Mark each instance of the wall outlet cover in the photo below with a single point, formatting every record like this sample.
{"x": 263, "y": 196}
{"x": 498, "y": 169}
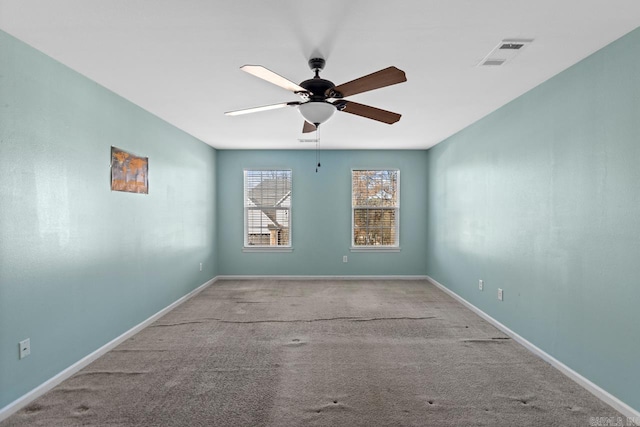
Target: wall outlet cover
{"x": 25, "y": 348}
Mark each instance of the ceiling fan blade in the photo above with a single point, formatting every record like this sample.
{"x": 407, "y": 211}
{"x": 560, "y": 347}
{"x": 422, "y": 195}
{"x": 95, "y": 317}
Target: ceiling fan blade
{"x": 367, "y": 111}
{"x": 262, "y": 108}
{"x": 308, "y": 127}
{"x": 387, "y": 77}
{"x": 271, "y": 77}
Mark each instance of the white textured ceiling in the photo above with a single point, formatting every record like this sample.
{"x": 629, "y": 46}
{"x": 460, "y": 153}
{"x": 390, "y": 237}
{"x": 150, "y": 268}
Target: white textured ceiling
{"x": 180, "y": 59}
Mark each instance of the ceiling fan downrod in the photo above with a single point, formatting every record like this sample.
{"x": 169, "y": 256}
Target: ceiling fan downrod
{"x": 316, "y": 65}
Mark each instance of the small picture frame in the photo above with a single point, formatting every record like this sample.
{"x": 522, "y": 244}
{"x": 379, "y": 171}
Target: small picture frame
{"x": 129, "y": 173}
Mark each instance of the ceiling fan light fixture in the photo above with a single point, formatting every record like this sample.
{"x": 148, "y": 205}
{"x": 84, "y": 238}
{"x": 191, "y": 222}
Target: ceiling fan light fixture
{"x": 317, "y": 112}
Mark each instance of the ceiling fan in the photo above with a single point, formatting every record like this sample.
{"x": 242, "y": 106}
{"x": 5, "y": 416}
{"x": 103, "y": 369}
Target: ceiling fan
{"x": 321, "y": 98}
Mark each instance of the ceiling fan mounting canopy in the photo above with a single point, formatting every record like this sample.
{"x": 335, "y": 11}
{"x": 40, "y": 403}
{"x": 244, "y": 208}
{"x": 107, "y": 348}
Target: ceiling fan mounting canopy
{"x": 317, "y": 93}
{"x": 317, "y": 64}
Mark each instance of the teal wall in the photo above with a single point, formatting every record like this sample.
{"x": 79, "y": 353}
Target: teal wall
{"x": 321, "y": 214}
{"x": 542, "y": 199}
{"x": 79, "y": 264}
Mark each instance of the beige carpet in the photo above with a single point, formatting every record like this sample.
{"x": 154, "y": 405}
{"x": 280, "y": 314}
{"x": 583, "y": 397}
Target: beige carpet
{"x": 317, "y": 353}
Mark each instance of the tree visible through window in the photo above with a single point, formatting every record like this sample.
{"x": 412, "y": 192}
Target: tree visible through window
{"x": 375, "y": 205}
{"x": 267, "y": 206}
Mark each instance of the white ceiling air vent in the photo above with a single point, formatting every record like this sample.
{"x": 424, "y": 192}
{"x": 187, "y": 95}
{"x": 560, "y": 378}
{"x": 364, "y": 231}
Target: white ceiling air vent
{"x": 505, "y": 51}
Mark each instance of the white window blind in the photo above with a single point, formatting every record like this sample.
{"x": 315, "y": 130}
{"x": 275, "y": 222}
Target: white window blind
{"x": 375, "y": 196}
{"x": 267, "y": 208}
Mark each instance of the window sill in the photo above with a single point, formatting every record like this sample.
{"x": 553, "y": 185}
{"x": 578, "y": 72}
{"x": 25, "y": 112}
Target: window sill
{"x": 374, "y": 249}
{"x": 266, "y": 249}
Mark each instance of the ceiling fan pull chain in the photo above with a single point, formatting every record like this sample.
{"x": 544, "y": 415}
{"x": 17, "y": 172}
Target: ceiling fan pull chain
{"x": 317, "y": 148}
{"x": 318, "y": 138}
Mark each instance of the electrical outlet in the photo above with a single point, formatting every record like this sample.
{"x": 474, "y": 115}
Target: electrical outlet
{"x": 499, "y": 294}
{"x": 345, "y": 259}
{"x": 481, "y": 285}
{"x": 25, "y": 348}
{"x": 200, "y": 266}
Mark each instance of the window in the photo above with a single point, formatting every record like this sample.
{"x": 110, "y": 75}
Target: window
{"x": 267, "y": 208}
{"x": 375, "y": 204}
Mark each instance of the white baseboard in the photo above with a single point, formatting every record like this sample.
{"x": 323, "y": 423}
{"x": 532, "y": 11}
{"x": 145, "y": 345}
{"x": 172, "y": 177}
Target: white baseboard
{"x": 257, "y": 277}
{"x": 594, "y": 389}
{"x": 23, "y": 401}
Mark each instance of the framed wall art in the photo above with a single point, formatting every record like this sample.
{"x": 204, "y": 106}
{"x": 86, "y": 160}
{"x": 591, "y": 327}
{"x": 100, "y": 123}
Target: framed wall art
{"x": 129, "y": 172}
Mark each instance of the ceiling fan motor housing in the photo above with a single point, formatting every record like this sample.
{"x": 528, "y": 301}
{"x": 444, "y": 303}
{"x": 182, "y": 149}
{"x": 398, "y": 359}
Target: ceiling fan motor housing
{"x": 317, "y": 87}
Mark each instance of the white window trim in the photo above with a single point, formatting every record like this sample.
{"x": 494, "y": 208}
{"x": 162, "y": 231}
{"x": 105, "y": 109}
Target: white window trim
{"x": 254, "y": 248}
{"x": 267, "y": 249}
{"x": 374, "y": 249}
{"x": 385, "y": 248}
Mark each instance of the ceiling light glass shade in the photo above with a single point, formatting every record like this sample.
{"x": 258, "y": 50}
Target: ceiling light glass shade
{"x": 317, "y": 112}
